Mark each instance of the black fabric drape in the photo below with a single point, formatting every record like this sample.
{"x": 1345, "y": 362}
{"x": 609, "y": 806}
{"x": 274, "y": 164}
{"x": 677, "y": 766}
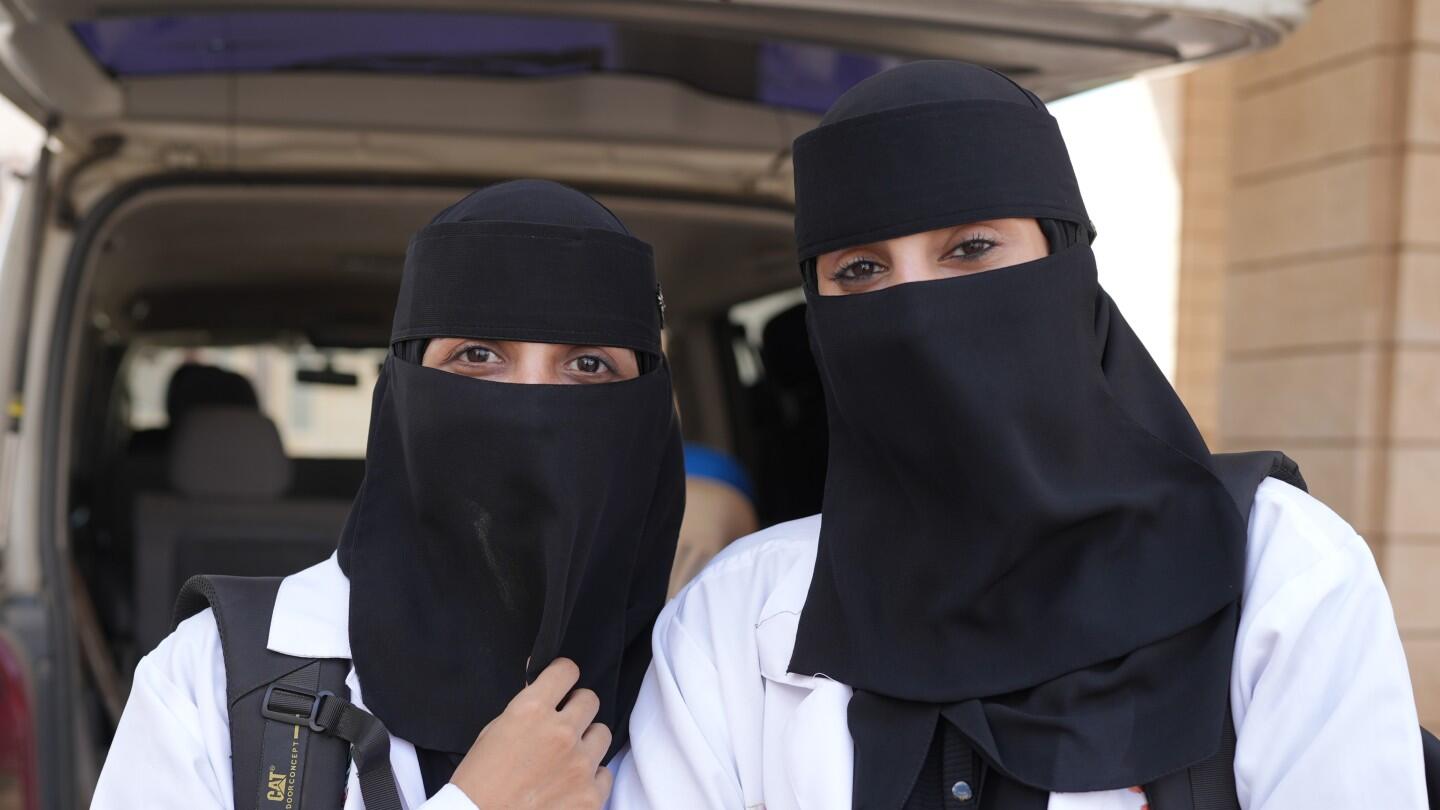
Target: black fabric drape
{"x": 500, "y": 525}
{"x": 1022, "y": 538}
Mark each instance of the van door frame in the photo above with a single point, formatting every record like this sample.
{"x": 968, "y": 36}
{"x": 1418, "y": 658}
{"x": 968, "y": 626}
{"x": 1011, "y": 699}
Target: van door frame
{"x": 21, "y": 256}
{"x": 35, "y": 602}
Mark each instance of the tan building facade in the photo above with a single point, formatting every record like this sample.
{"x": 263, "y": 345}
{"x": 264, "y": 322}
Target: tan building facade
{"x": 1310, "y": 279}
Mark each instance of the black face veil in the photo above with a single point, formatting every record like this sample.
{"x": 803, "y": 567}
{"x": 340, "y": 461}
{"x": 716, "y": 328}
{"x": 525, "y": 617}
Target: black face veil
{"x": 1023, "y": 541}
{"x": 500, "y": 524}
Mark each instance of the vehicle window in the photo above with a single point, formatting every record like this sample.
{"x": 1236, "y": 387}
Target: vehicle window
{"x": 784, "y": 73}
{"x": 320, "y": 401}
{"x": 752, "y": 317}
{"x": 780, "y": 430}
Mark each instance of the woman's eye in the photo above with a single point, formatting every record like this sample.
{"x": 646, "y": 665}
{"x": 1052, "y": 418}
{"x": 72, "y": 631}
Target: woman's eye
{"x": 477, "y": 354}
{"x": 590, "y": 364}
{"x": 857, "y": 270}
{"x": 972, "y": 248}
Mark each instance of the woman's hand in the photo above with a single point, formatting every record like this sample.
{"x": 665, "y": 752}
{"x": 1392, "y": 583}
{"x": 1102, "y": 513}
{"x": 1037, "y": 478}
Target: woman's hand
{"x": 543, "y": 751}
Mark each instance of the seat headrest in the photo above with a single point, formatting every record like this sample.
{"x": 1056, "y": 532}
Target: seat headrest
{"x": 228, "y": 452}
{"x": 195, "y": 385}
{"x": 785, "y": 351}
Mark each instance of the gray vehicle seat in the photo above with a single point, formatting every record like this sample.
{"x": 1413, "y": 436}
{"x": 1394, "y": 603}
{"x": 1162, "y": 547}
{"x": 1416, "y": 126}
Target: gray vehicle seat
{"x": 193, "y": 385}
{"x": 107, "y": 555}
{"x": 226, "y": 514}
{"x": 788, "y": 413}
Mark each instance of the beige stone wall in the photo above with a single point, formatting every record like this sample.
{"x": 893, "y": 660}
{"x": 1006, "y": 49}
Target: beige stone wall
{"x": 1207, "y": 118}
{"x": 1329, "y": 345}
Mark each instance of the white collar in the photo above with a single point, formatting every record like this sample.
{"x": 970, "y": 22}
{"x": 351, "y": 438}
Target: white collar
{"x": 312, "y": 613}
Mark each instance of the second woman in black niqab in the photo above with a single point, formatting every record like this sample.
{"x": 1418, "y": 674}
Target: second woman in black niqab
{"x": 501, "y": 526}
{"x": 1024, "y": 587}
{"x": 1064, "y": 593}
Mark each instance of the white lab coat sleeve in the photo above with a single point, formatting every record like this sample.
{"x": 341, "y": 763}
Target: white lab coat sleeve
{"x": 172, "y": 748}
{"x": 1324, "y": 709}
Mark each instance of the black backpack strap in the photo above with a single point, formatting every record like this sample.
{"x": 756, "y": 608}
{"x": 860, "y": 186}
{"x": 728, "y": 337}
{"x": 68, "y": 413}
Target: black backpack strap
{"x": 296, "y": 703}
{"x": 1207, "y": 785}
{"x": 1243, "y": 473}
{"x": 1432, "y": 767}
{"x": 290, "y": 717}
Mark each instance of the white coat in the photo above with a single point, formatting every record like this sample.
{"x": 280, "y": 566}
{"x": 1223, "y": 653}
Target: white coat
{"x": 1320, "y": 692}
{"x": 172, "y": 748}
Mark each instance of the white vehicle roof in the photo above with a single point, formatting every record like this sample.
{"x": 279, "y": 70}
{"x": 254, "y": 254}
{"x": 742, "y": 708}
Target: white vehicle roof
{"x": 700, "y": 95}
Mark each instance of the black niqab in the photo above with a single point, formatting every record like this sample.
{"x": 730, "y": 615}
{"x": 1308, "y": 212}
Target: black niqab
{"x": 1023, "y": 539}
{"x": 500, "y": 524}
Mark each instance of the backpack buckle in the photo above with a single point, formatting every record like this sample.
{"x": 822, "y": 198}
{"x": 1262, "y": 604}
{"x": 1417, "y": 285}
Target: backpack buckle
{"x": 294, "y": 706}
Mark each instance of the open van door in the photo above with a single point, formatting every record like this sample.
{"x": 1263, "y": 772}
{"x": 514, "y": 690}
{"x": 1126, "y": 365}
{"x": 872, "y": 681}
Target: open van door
{"x": 22, "y": 200}
{"x": 22, "y": 204}
{"x": 14, "y": 267}
{"x": 604, "y": 92}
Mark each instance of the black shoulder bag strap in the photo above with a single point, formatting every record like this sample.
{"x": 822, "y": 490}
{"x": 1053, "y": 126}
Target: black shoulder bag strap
{"x": 1432, "y": 767}
{"x": 292, "y": 728}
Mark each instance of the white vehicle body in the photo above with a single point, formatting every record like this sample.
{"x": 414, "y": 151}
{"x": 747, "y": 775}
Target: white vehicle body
{"x": 218, "y": 177}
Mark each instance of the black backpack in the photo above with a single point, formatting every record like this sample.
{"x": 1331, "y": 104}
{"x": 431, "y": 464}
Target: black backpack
{"x": 291, "y": 722}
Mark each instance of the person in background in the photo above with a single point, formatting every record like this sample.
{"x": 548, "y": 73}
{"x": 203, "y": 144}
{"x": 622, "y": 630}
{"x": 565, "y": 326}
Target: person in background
{"x": 719, "y": 507}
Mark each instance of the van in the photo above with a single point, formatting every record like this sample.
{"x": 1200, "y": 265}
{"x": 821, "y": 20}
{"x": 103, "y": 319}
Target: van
{"x": 219, "y": 215}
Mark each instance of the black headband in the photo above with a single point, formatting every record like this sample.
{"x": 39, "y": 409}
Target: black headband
{"x": 530, "y": 282}
{"x": 927, "y": 166}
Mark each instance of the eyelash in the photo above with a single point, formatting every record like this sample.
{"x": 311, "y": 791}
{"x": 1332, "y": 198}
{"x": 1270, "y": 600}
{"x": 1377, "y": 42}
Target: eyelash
{"x": 990, "y": 244}
{"x": 839, "y": 274}
{"x": 462, "y": 351}
{"x": 842, "y": 272}
{"x": 606, "y": 365}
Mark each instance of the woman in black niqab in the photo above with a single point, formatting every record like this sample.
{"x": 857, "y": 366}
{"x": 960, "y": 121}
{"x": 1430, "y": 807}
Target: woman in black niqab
{"x": 1029, "y": 556}
{"x": 501, "y": 526}
{"x": 1024, "y": 589}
